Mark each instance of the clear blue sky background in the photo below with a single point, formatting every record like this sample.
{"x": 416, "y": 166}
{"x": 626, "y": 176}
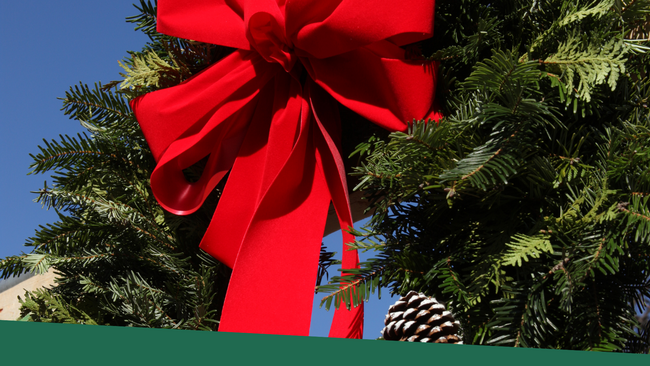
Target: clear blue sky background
{"x": 46, "y": 47}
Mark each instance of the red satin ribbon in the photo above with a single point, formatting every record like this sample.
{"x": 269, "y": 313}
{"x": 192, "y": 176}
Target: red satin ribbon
{"x": 278, "y": 137}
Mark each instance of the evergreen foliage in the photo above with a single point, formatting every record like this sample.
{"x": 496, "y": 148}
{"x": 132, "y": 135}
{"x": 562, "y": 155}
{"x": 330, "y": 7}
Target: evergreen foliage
{"x": 526, "y": 208}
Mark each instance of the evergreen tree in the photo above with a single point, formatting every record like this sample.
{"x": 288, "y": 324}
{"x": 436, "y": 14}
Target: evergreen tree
{"x": 120, "y": 258}
{"x": 526, "y": 208}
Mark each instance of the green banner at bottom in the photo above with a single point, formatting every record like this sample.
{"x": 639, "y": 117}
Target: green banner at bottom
{"x": 71, "y": 344}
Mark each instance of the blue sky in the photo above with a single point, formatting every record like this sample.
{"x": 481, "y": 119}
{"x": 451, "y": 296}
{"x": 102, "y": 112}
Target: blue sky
{"x": 46, "y": 47}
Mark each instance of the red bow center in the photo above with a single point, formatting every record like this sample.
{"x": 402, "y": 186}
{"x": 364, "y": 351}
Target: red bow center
{"x": 266, "y": 35}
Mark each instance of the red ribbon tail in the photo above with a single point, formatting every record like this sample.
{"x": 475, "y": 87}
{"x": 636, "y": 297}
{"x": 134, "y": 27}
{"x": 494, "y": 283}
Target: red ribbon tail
{"x": 272, "y": 215}
{"x": 347, "y": 323}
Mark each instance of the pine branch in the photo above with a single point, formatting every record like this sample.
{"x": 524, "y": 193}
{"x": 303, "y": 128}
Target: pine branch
{"x": 524, "y": 246}
{"x": 592, "y": 67}
{"x": 146, "y": 20}
{"x": 41, "y": 306}
{"x": 354, "y": 287}
{"x": 97, "y": 107}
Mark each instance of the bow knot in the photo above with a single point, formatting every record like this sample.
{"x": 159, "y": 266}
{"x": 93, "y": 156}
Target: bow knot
{"x": 268, "y": 38}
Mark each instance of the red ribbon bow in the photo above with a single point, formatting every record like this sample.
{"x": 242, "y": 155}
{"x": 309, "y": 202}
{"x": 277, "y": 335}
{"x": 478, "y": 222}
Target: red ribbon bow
{"x": 276, "y": 135}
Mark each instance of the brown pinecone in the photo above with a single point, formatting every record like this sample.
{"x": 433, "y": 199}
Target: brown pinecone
{"x": 419, "y": 318}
